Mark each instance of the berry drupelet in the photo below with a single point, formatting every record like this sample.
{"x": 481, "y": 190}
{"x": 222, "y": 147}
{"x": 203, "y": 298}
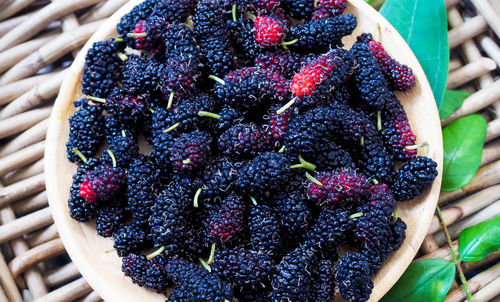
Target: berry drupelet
{"x": 323, "y": 34}
{"x": 142, "y": 183}
{"x": 227, "y": 222}
{"x": 372, "y": 230}
{"x": 268, "y": 171}
{"x": 86, "y": 128}
{"x": 381, "y": 198}
{"x": 243, "y": 140}
{"x": 371, "y": 86}
{"x": 130, "y": 239}
{"x": 338, "y": 187}
{"x": 399, "y": 76}
{"x": 102, "y": 68}
{"x": 190, "y": 151}
{"x": 79, "y": 208}
{"x": 293, "y": 276}
{"x": 318, "y": 78}
{"x": 141, "y": 74}
{"x": 299, "y": 9}
{"x": 269, "y": 30}
{"x": 414, "y": 177}
{"x": 329, "y": 8}
{"x": 281, "y": 62}
{"x": 353, "y": 278}
{"x": 323, "y": 288}
{"x": 264, "y": 228}
{"x": 292, "y": 211}
{"x": 195, "y": 283}
{"x": 330, "y": 229}
{"x": 396, "y": 131}
{"x": 124, "y": 149}
{"x": 333, "y": 157}
{"x": 219, "y": 177}
{"x": 179, "y": 39}
{"x": 248, "y": 87}
{"x": 242, "y": 267}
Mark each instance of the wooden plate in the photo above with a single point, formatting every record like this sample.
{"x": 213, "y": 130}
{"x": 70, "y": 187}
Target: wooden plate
{"x": 103, "y": 271}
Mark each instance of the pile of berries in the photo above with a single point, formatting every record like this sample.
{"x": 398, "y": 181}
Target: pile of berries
{"x": 243, "y": 149}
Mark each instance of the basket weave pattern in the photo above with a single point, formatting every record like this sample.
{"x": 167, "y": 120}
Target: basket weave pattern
{"x": 39, "y": 39}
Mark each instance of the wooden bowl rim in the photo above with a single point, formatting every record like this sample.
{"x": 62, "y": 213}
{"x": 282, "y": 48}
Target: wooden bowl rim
{"x": 384, "y": 280}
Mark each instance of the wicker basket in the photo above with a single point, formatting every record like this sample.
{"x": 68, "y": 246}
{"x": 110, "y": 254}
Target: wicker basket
{"x": 38, "y": 40}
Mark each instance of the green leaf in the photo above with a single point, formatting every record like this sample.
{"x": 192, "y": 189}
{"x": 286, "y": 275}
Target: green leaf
{"x": 423, "y": 24}
{"x": 463, "y": 142}
{"x": 478, "y": 241}
{"x": 452, "y": 100}
{"x": 427, "y": 280}
{"x": 375, "y": 3}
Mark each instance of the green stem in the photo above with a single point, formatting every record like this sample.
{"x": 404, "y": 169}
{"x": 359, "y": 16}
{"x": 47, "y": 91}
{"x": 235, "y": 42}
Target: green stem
{"x": 212, "y": 255}
{"x": 196, "y": 196}
{"x": 217, "y": 79}
{"x": 281, "y": 150}
{"x": 119, "y": 39}
{"x": 395, "y": 215}
{"x": 151, "y": 110}
{"x": 234, "y": 11}
{"x": 251, "y": 16}
{"x": 124, "y": 134}
{"x": 80, "y": 155}
{"x": 122, "y": 56}
{"x": 171, "y": 127}
{"x": 155, "y": 253}
{"x": 362, "y": 141}
{"x": 186, "y": 161}
{"x": 375, "y": 181}
{"x": 113, "y": 158}
{"x": 286, "y": 106}
{"x": 304, "y": 164}
{"x": 110, "y": 251}
{"x": 209, "y": 114}
{"x": 137, "y": 35}
{"x": 379, "y": 120}
{"x": 314, "y": 180}
{"x": 414, "y": 147}
{"x": 98, "y": 100}
{"x": 455, "y": 260}
{"x": 254, "y": 201}
{"x": 355, "y": 215}
{"x": 205, "y": 265}
{"x": 288, "y": 43}
{"x": 170, "y": 100}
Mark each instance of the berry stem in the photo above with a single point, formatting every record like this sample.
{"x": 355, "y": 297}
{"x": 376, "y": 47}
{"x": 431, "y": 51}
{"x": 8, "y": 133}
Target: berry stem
{"x": 355, "y": 215}
{"x": 455, "y": 260}
{"x": 304, "y": 164}
{"x": 281, "y": 150}
{"x": 171, "y": 127}
{"x": 362, "y": 141}
{"x": 110, "y": 251}
{"x": 314, "y": 180}
{"x": 124, "y": 134}
{"x": 205, "y": 265}
{"x": 209, "y": 114}
{"x": 98, "y": 100}
{"x": 286, "y": 106}
{"x": 196, "y": 196}
{"x": 119, "y": 39}
{"x": 287, "y": 43}
{"x": 379, "y": 120}
{"x": 395, "y": 215}
{"x": 151, "y": 110}
{"x": 233, "y": 11}
{"x": 186, "y": 161}
{"x": 113, "y": 159}
{"x": 254, "y": 201}
{"x": 122, "y": 56}
{"x": 212, "y": 254}
{"x": 217, "y": 79}
{"x": 137, "y": 35}
{"x": 80, "y": 155}
{"x": 251, "y": 16}
{"x": 375, "y": 181}
{"x": 170, "y": 100}
{"x": 155, "y": 253}
{"x": 414, "y": 147}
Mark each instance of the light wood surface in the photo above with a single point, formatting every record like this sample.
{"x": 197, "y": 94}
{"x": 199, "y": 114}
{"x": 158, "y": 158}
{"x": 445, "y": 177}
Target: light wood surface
{"x": 103, "y": 270}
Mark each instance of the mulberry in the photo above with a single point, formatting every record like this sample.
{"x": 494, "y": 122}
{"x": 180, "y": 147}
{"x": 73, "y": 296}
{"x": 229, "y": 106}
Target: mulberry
{"x": 142, "y": 183}
{"x": 102, "y": 183}
{"x": 338, "y": 187}
{"x": 323, "y": 34}
{"x": 299, "y": 9}
{"x": 227, "y": 222}
{"x": 381, "y": 198}
{"x": 268, "y": 171}
{"x": 219, "y": 177}
{"x": 248, "y": 87}
{"x": 281, "y": 62}
{"x": 293, "y": 277}
{"x": 124, "y": 149}
{"x": 85, "y": 130}
{"x": 277, "y": 124}
{"x": 147, "y": 273}
{"x": 190, "y": 151}
{"x": 243, "y": 140}
{"x": 353, "y": 278}
{"x": 130, "y": 239}
{"x": 148, "y": 33}
{"x": 399, "y": 76}
{"x": 323, "y": 288}
{"x": 140, "y": 12}
{"x": 333, "y": 158}
{"x": 293, "y": 211}
{"x": 102, "y": 68}
{"x": 140, "y": 74}
{"x": 329, "y": 8}
{"x": 264, "y": 228}
{"x": 269, "y": 30}
{"x": 187, "y": 114}
{"x": 226, "y": 118}
{"x": 126, "y": 105}
{"x": 109, "y": 218}
{"x": 414, "y": 177}
{"x": 79, "y": 208}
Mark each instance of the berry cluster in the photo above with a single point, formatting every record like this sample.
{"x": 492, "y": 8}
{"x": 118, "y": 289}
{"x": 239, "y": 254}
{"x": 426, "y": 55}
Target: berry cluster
{"x": 249, "y": 143}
